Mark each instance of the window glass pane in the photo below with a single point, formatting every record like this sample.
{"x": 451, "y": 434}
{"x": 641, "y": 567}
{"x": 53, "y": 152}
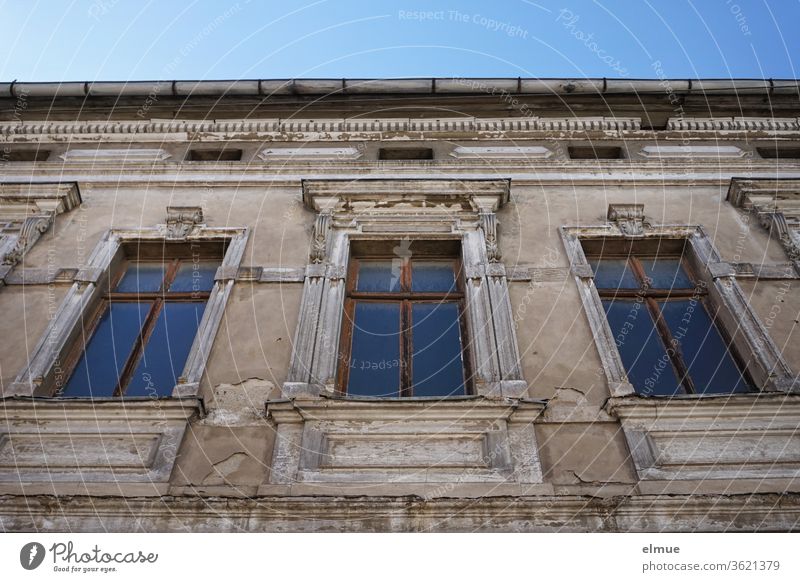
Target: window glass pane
{"x": 141, "y": 277}
{"x": 666, "y": 273}
{"x": 648, "y": 367}
{"x": 613, "y": 274}
{"x": 166, "y": 351}
{"x": 98, "y": 371}
{"x": 710, "y": 363}
{"x": 379, "y": 276}
{"x": 375, "y": 356}
{"x": 432, "y": 276}
{"x": 194, "y": 276}
{"x": 437, "y": 366}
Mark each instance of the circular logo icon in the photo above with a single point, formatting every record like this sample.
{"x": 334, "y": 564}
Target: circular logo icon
{"x": 31, "y": 555}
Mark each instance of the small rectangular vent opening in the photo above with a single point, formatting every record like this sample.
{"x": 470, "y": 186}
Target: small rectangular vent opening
{"x": 779, "y": 152}
{"x": 405, "y": 154}
{"x": 23, "y": 155}
{"x": 595, "y": 152}
{"x": 207, "y": 155}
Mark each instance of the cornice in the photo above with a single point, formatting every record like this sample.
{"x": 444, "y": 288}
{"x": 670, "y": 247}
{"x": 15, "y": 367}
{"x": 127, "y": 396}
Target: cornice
{"x": 290, "y": 125}
{"x": 328, "y": 129}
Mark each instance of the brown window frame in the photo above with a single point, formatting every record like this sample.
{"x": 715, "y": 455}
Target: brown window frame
{"x": 650, "y": 297}
{"x": 157, "y": 299}
{"x": 406, "y": 298}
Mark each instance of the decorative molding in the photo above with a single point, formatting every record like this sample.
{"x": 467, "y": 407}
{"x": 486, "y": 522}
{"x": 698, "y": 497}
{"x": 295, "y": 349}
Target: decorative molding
{"x": 335, "y": 129}
{"x": 502, "y": 152}
{"x": 27, "y": 211}
{"x": 310, "y": 154}
{"x": 281, "y": 127}
{"x": 765, "y": 271}
{"x": 111, "y": 155}
{"x": 319, "y": 236}
{"x": 530, "y": 273}
{"x": 629, "y": 218}
{"x": 414, "y": 441}
{"x": 414, "y": 209}
{"x": 80, "y": 447}
{"x": 733, "y": 124}
{"x": 776, "y": 205}
{"x": 406, "y": 195}
{"x": 441, "y": 508}
{"x": 41, "y": 276}
{"x": 707, "y": 438}
{"x": 489, "y": 226}
{"x": 692, "y": 151}
{"x": 29, "y": 232}
{"x": 182, "y": 220}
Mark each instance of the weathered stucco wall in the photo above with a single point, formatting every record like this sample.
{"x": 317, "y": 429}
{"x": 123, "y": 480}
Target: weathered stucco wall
{"x": 569, "y": 447}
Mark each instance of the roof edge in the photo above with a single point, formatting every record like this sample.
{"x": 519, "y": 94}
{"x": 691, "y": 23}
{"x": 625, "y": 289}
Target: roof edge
{"x": 400, "y": 86}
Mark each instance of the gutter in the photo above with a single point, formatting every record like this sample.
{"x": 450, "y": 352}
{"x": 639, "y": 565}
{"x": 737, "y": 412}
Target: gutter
{"x": 418, "y": 86}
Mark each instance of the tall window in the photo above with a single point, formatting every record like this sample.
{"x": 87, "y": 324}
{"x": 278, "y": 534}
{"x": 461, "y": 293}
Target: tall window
{"x": 138, "y": 340}
{"x": 664, "y": 325}
{"x": 403, "y": 333}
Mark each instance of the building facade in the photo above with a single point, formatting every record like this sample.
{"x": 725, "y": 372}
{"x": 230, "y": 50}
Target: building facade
{"x": 400, "y": 305}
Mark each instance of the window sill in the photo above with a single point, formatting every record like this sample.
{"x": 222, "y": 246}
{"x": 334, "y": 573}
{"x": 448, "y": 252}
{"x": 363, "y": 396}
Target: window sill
{"x": 470, "y": 439}
{"x": 711, "y": 437}
{"x": 81, "y": 446}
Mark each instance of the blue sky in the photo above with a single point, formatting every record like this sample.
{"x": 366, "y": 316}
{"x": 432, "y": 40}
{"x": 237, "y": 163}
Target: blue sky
{"x": 87, "y": 40}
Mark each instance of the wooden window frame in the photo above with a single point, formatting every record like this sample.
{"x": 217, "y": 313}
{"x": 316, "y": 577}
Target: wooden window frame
{"x": 766, "y": 368}
{"x": 651, "y": 295}
{"x": 157, "y": 301}
{"x": 405, "y": 298}
{"x": 48, "y": 360}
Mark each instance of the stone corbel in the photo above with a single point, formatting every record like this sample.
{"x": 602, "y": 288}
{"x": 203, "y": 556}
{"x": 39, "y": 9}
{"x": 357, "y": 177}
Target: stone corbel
{"x": 29, "y": 209}
{"x": 489, "y": 225}
{"x": 320, "y": 236}
{"x": 33, "y": 227}
{"x": 776, "y": 205}
{"x": 629, "y": 218}
{"x": 182, "y": 220}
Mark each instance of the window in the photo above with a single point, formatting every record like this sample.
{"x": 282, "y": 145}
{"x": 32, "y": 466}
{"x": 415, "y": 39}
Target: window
{"x": 137, "y": 341}
{"x": 664, "y": 326}
{"x": 403, "y": 331}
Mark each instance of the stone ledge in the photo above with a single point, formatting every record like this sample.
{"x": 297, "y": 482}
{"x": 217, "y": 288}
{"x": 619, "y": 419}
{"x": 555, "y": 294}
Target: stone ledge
{"x": 356, "y": 441}
{"x": 544, "y": 513}
{"x": 727, "y": 437}
{"x": 76, "y": 446}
